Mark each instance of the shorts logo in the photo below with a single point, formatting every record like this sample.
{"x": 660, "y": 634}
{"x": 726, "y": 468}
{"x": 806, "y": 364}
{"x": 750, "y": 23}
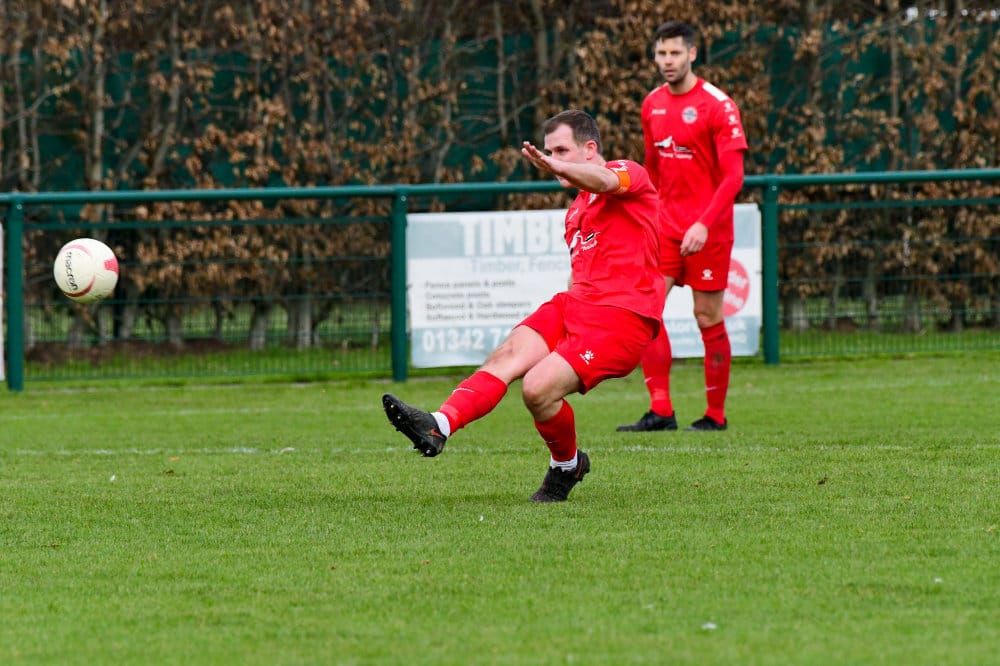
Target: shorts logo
{"x": 706, "y": 274}
{"x": 587, "y": 356}
{"x": 689, "y": 114}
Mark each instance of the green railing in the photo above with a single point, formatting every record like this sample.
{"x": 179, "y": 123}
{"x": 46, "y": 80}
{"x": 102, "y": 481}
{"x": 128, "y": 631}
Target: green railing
{"x": 767, "y": 190}
{"x": 774, "y": 185}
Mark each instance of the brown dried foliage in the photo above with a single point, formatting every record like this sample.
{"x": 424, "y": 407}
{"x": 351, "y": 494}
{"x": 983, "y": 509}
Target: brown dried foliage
{"x": 251, "y": 93}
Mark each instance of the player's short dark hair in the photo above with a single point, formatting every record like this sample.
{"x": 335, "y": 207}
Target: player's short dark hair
{"x": 582, "y": 123}
{"x": 672, "y": 29}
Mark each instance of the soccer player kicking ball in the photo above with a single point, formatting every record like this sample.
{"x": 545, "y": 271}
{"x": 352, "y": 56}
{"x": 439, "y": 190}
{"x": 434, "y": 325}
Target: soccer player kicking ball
{"x": 594, "y": 330}
{"x": 694, "y": 152}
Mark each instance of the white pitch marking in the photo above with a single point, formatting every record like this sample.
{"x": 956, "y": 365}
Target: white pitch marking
{"x": 474, "y": 450}
{"x": 186, "y": 412}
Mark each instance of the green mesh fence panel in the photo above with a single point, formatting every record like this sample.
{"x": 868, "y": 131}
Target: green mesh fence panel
{"x": 299, "y": 296}
{"x": 888, "y": 270}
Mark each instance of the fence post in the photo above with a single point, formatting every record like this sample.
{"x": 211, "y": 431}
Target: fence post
{"x": 769, "y": 272}
{"x": 15, "y": 295}
{"x": 399, "y": 344}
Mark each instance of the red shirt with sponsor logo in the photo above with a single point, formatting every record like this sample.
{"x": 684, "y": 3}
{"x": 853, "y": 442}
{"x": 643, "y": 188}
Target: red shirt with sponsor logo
{"x": 685, "y": 135}
{"x": 614, "y": 244}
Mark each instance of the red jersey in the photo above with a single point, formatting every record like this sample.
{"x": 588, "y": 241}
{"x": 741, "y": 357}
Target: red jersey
{"x": 685, "y": 135}
{"x": 614, "y": 244}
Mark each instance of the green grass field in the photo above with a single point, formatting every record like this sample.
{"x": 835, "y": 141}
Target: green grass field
{"x": 850, "y": 515}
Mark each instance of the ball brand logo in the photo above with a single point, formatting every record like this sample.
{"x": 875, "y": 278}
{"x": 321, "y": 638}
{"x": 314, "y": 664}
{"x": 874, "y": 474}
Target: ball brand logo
{"x": 70, "y": 278}
{"x": 72, "y": 282}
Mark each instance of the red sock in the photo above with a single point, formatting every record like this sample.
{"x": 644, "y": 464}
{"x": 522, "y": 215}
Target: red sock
{"x": 656, "y": 360}
{"x": 559, "y": 433}
{"x": 718, "y": 359}
{"x": 472, "y": 399}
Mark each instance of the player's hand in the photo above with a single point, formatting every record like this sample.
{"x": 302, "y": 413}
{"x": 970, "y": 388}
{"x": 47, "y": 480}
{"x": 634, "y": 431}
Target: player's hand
{"x": 537, "y": 157}
{"x": 694, "y": 239}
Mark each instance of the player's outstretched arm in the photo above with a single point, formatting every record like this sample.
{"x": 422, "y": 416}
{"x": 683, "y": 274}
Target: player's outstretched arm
{"x": 585, "y": 176}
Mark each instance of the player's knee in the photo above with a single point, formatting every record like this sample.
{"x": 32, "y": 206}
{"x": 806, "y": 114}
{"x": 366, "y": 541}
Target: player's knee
{"x": 536, "y": 394}
{"x": 532, "y": 394}
{"x": 500, "y": 358}
{"x": 707, "y": 319}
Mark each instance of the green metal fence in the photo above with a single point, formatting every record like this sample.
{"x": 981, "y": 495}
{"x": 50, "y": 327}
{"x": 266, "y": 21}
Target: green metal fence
{"x": 892, "y": 262}
{"x": 306, "y": 282}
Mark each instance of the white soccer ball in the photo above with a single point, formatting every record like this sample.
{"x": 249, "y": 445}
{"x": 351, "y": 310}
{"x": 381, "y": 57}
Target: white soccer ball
{"x": 86, "y": 270}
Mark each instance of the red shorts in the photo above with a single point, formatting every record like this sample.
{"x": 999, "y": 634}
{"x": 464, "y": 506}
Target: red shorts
{"x": 705, "y": 270}
{"x": 598, "y": 341}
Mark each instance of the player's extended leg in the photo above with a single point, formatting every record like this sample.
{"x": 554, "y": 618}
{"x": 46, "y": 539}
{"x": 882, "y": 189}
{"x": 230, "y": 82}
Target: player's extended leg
{"x": 718, "y": 358}
{"x": 544, "y": 389}
{"x": 657, "y": 360}
{"x": 475, "y": 397}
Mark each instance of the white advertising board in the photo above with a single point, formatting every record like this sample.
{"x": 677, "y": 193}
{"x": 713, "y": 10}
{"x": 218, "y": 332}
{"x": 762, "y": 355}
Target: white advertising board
{"x": 471, "y": 277}
{"x": 743, "y": 304}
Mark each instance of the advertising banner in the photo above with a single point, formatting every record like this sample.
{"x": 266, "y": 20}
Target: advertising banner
{"x": 471, "y": 277}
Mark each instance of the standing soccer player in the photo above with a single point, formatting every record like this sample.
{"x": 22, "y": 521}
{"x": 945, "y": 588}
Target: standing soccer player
{"x": 695, "y": 145}
{"x": 596, "y": 329}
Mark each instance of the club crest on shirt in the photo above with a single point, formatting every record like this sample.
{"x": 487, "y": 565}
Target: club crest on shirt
{"x": 689, "y": 114}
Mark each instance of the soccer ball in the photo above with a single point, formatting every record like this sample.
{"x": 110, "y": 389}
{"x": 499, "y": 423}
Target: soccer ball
{"x": 86, "y": 270}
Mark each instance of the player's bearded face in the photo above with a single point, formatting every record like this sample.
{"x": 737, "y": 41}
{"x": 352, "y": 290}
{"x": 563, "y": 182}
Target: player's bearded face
{"x": 673, "y": 58}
